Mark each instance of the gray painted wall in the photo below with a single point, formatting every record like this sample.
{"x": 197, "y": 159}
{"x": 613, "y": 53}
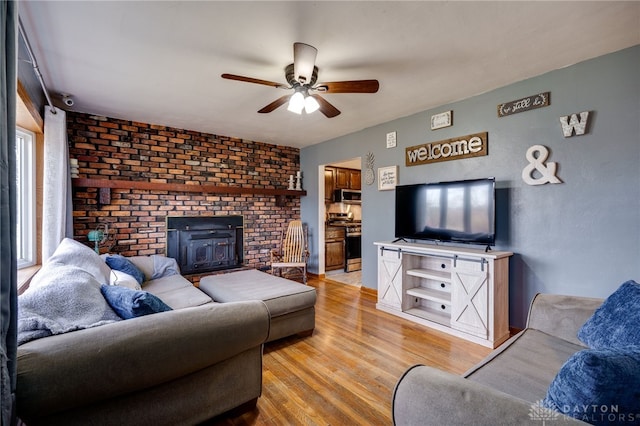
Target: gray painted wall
{"x": 581, "y": 237}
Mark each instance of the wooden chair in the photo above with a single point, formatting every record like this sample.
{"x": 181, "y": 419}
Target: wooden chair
{"x": 293, "y": 252}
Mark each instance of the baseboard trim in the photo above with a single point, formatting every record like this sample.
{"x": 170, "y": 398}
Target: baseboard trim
{"x": 369, "y": 291}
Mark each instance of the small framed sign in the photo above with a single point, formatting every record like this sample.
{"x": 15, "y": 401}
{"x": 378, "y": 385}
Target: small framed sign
{"x": 391, "y": 140}
{"x": 444, "y": 119}
{"x": 525, "y": 104}
{"x": 387, "y": 178}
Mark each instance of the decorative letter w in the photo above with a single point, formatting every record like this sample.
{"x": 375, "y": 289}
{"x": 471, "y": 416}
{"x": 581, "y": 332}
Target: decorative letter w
{"x": 579, "y": 125}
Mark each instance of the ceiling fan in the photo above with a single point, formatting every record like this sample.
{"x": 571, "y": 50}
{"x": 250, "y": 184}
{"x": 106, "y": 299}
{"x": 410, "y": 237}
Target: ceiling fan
{"x": 301, "y": 76}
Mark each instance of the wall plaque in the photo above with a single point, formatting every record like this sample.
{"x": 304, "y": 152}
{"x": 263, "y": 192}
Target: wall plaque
{"x": 444, "y": 119}
{"x": 387, "y": 178}
{"x": 525, "y": 104}
{"x": 475, "y": 145}
{"x": 391, "y": 140}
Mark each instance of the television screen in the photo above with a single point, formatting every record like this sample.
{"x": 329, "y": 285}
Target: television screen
{"x": 460, "y": 211}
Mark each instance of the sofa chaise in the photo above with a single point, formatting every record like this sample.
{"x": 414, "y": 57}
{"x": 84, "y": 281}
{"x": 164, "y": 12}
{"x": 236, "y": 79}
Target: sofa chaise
{"x": 576, "y": 362}
{"x": 177, "y": 367}
{"x": 291, "y": 304}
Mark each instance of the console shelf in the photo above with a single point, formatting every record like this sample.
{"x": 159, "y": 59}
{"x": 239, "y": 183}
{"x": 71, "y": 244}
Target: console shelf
{"x": 461, "y": 291}
{"x": 429, "y": 294}
{"x": 426, "y": 273}
{"x": 430, "y": 315}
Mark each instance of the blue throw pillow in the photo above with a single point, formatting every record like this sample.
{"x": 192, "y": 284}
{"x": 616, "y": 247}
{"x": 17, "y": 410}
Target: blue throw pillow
{"x": 130, "y": 303}
{"x": 598, "y": 386}
{"x": 615, "y": 323}
{"x": 122, "y": 264}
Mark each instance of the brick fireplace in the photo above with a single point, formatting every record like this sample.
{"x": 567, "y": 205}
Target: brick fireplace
{"x": 163, "y": 159}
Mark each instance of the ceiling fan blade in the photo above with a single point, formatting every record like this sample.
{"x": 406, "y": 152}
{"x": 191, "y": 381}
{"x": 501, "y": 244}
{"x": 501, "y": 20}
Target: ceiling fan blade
{"x": 325, "y": 107}
{"x": 354, "y": 86}
{"x": 254, "y": 80}
{"x": 304, "y": 59}
{"x": 275, "y": 104}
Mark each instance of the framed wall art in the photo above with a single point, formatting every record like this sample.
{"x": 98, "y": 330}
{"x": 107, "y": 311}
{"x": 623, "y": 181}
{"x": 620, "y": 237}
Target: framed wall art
{"x": 387, "y": 178}
{"x": 444, "y": 119}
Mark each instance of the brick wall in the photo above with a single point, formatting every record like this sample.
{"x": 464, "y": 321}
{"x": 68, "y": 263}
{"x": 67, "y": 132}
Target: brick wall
{"x": 108, "y": 148}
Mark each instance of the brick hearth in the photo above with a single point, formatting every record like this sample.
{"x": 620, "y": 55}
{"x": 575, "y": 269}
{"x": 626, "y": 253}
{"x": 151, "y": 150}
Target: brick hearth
{"x": 108, "y": 148}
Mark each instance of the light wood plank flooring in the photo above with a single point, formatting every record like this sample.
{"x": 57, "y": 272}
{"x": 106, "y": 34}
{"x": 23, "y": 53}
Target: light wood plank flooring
{"x": 344, "y": 374}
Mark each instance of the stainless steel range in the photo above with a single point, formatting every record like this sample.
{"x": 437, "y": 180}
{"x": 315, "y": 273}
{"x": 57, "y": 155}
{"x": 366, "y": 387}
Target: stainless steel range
{"x": 353, "y": 240}
{"x": 353, "y": 248}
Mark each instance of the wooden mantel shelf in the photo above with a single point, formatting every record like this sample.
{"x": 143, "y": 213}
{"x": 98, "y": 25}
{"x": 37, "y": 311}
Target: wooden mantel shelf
{"x": 105, "y": 186}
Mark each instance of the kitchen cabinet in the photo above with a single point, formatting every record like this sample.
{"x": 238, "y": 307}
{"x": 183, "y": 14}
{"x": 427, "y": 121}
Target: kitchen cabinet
{"x": 329, "y": 183}
{"x": 334, "y": 240}
{"x": 355, "y": 179}
{"x": 347, "y": 179}
{"x": 341, "y": 178}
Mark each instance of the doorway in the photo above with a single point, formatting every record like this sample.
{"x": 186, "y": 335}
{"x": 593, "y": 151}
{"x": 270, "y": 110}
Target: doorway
{"x": 340, "y": 214}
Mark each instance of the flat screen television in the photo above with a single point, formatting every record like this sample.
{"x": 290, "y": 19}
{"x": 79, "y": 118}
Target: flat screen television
{"x": 459, "y": 211}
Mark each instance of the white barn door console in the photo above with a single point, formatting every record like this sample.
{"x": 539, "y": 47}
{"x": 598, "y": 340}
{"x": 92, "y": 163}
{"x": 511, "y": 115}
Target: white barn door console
{"x": 460, "y": 291}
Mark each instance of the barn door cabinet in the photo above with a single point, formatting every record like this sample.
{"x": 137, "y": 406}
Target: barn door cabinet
{"x": 461, "y": 291}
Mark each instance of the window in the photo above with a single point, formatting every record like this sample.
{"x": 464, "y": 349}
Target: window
{"x": 26, "y": 197}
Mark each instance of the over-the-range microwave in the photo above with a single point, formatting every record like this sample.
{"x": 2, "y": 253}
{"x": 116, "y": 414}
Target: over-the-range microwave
{"x": 348, "y": 196}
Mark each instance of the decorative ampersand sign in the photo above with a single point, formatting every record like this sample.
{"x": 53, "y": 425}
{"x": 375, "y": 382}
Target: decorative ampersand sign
{"x": 536, "y": 163}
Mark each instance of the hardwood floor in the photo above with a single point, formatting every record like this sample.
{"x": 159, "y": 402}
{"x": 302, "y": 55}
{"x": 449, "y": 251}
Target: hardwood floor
{"x": 346, "y": 371}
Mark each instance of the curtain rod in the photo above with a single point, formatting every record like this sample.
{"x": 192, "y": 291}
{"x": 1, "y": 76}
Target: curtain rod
{"x": 34, "y": 64}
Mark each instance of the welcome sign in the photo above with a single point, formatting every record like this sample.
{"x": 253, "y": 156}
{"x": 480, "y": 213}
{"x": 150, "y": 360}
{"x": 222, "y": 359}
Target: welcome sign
{"x": 475, "y": 145}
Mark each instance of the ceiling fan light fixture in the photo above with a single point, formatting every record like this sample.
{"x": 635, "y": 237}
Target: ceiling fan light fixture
{"x": 296, "y": 103}
{"x": 304, "y": 61}
{"x": 310, "y": 105}
{"x": 301, "y": 76}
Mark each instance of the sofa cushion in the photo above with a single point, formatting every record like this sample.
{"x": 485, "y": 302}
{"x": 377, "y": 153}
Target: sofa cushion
{"x": 121, "y": 263}
{"x": 130, "y": 303}
{"x": 155, "y": 266}
{"x": 524, "y": 365}
{"x": 599, "y": 386}
{"x": 144, "y": 263}
{"x": 561, "y": 315}
{"x": 615, "y": 323}
{"x": 177, "y": 292}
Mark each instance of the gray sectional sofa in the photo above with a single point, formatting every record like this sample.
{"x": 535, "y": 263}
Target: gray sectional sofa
{"x": 507, "y": 386}
{"x": 183, "y": 366}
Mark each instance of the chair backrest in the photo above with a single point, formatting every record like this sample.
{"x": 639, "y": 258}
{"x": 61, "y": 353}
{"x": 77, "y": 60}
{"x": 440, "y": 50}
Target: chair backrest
{"x": 294, "y": 242}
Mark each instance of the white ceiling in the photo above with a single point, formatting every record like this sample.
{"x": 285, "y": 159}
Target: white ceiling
{"x": 160, "y": 62}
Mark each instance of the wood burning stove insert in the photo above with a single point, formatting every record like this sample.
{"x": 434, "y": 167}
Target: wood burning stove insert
{"x": 205, "y": 243}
